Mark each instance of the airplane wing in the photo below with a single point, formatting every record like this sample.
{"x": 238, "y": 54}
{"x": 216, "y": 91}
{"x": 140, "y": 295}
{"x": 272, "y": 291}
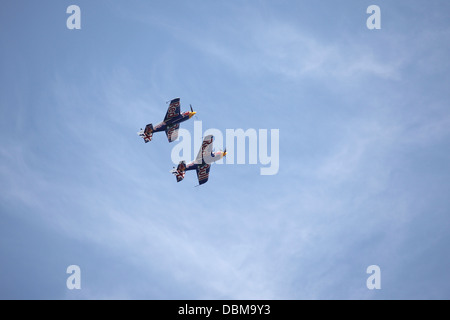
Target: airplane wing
{"x": 205, "y": 150}
{"x": 174, "y": 109}
{"x": 172, "y": 132}
{"x": 203, "y": 173}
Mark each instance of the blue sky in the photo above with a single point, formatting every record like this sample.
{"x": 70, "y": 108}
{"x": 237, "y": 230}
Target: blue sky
{"x": 364, "y": 169}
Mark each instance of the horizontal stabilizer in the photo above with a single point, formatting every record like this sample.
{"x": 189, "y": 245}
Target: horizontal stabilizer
{"x": 147, "y": 133}
{"x": 180, "y": 171}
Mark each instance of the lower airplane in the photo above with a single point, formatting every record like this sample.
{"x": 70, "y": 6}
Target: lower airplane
{"x": 202, "y": 163}
{"x": 171, "y": 122}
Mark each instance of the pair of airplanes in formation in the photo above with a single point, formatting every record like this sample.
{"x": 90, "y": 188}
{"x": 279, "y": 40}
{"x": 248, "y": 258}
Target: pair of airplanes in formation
{"x": 171, "y": 124}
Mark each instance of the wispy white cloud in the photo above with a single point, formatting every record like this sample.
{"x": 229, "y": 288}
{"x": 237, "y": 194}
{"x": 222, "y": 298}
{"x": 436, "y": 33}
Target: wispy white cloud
{"x": 254, "y": 46}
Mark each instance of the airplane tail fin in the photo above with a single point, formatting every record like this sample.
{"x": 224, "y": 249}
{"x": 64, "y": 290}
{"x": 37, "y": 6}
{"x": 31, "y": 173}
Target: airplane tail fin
{"x": 147, "y": 133}
{"x": 180, "y": 171}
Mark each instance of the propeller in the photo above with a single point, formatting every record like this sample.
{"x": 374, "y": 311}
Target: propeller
{"x": 192, "y": 110}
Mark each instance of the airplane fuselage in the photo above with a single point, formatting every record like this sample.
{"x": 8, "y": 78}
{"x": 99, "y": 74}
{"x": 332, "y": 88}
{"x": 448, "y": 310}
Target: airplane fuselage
{"x": 215, "y": 156}
{"x": 162, "y": 126}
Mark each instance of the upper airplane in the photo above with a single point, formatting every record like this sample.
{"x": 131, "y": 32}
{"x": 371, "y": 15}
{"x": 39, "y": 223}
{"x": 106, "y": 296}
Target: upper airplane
{"x": 171, "y": 122}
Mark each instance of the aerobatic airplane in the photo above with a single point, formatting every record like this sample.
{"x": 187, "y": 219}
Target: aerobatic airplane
{"x": 202, "y": 163}
{"x": 171, "y": 122}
